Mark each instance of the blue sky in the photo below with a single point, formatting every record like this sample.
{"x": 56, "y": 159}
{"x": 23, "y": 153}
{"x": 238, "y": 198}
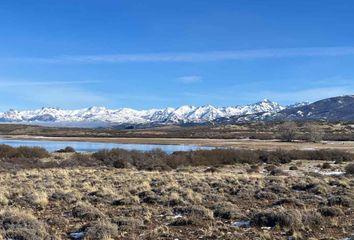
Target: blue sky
{"x": 158, "y": 53}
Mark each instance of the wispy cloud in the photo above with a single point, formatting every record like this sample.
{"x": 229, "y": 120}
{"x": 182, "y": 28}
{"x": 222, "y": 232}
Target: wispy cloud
{"x": 7, "y": 83}
{"x": 190, "y": 79}
{"x": 191, "y": 56}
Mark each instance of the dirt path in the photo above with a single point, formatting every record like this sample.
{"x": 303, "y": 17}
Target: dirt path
{"x": 237, "y": 143}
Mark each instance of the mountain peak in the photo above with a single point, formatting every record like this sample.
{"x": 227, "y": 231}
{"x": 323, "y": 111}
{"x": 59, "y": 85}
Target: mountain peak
{"x": 121, "y": 116}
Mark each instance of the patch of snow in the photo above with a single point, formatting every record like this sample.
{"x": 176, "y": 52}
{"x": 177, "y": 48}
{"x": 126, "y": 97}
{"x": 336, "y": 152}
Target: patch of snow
{"x": 243, "y": 224}
{"x": 332, "y": 173}
{"x": 301, "y": 113}
{"x": 309, "y": 149}
{"x": 177, "y": 216}
{"x": 77, "y": 235}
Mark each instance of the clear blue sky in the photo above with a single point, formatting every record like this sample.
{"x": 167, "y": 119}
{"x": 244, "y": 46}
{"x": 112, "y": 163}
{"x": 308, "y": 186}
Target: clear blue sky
{"x": 158, "y": 53}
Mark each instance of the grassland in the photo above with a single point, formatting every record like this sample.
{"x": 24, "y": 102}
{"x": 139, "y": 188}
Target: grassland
{"x": 117, "y": 195}
{"x": 233, "y": 202}
{"x": 263, "y": 131}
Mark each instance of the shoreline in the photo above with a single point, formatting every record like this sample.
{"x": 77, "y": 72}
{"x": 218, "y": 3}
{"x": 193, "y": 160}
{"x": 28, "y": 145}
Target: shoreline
{"x": 251, "y": 144}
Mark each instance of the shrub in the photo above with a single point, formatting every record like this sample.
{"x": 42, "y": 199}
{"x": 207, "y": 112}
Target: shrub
{"x": 182, "y": 221}
{"x": 349, "y": 169}
{"x": 289, "y": 201}
{"x": 287, "y": 131}
{"x": 87, "y": 212}
{"x": 80, "y": 159}
{"x": 67, "y": 149}
{"x": 330, "y": 211}
{"x": 315, "y": 133}
{"x": 38, "y": 199}
{"x": 312, "y": 219}
{"x": 16, "y": 224}
{"x": 127, "y": 222}
{"x": 293, "y": 168}
{"x": 277, "y": 172}
{"x": 8, "y": 152}
{"x": 101, "y": 230}
{"x": 304, "y": 186}
{"x": 275, "y": 218}
{"x": 159, "y": 160}
{"x": 196, "y": 211}
{"x": 266, "y": 195}
{"x": 340, "y": 200}
{"x": 31, "y": 153}
{"x": 326, "y": 165}
{"x": 226, "y": 210}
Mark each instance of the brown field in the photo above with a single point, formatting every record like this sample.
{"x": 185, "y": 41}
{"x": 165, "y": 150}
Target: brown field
{"x": 233, "y": 202}
{"x": 264, "y": 131}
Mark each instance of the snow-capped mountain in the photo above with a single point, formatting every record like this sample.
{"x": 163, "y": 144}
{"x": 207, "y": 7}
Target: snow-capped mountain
{"x": 104, "y": 116}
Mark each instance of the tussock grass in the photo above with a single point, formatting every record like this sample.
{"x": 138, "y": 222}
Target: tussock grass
{"x": 100, "y": 201}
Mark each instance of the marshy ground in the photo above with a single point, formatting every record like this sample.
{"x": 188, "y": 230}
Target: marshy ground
{"x": 300, "y": 199}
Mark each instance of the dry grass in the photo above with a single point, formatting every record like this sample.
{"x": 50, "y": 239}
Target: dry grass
{"x": 231, "y": 203}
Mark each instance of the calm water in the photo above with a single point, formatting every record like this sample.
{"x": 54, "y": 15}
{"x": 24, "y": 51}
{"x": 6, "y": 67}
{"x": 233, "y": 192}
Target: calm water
{"x": 94, "y": 146}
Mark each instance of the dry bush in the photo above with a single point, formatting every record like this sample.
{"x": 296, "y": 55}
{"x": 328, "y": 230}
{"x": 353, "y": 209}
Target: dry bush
{"x": 87, "y": 212}
{"x": 126, "y": 223}
{"x": 330, "y": 211}
{"x": 79, "y": 160}
{"x": 226, "y": 210}
{"x": 196, "y": 211}
{"x": 289, "y": 202}
{"x": 287, "y": 131}
{"x": 161, "y": 161}
{"x": 293, "y": 168}
{"x": 16, "y": 224}
{"x": 349, "y": 169}
{"x": 8, "y": 152}
{"x": 38, "y": 199}
{"x": 278, "y": 172}
{"x": 185, "y": 221}
{"x": 120, "y": 158}
{"x": 312, "y": 219}
{"x": 315, "y": 133}
{"x": 304, "y": 186}
{"x": 281, "y": 218}
{"x": 101, "y": 230}
{"x": 67, "y": 149}
{"x": 344, "y": 201}
{"x": 326, "y": 165}
{"x": 67, "y": 197}
{"x": 267, "y": 195}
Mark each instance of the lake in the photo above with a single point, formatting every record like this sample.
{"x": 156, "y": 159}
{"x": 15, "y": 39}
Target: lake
{"x": 52, "y": 146}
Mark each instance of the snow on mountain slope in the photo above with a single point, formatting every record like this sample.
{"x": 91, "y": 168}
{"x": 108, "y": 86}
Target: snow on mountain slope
{"x": 95, "y": 115}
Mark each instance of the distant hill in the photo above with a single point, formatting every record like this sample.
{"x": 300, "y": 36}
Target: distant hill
{"x": 330, "y": 109}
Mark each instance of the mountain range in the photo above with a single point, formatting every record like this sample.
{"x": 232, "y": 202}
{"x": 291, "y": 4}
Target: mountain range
{"x": 331, "y": 109}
